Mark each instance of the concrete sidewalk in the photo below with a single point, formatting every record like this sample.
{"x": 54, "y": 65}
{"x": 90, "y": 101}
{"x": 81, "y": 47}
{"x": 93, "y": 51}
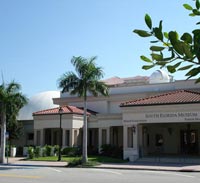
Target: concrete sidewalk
{"x": 23, "y": 162}
{"x": 179, "y": 167}
{"x": 153, "y": 167}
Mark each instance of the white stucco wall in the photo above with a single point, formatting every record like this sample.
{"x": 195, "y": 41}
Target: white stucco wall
{"x": 159, "y": 119}
{"x": 53, "y": 121}
{"x": 161, "y": 114}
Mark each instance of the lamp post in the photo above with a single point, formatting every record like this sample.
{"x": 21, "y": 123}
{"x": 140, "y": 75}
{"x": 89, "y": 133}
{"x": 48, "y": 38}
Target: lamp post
{"x": 60, "y": 133}
{"x": 3, "y": 133}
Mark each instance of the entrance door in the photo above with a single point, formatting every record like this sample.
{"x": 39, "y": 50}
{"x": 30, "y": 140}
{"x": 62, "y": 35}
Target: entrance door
{"x": 189, "y": 142}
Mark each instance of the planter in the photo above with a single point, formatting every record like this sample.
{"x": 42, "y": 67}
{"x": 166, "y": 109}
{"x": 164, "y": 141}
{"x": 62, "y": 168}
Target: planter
{"x": 13, "y": 151}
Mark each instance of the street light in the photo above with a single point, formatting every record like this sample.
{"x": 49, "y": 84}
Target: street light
{"x": 60, "y": 111}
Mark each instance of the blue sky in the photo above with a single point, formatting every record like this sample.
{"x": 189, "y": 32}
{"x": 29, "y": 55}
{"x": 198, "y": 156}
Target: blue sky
{"x": 38, "y": 38}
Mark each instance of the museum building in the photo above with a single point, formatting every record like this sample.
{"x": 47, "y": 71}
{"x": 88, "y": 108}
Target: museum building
{"x": 143, "y": 115}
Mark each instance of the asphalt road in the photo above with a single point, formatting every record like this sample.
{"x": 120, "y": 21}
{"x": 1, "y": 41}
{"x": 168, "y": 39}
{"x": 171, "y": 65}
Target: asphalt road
{"x": 81, "y": 175}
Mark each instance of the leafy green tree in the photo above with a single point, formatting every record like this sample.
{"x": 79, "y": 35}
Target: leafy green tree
{"x": 11, "y": 100}
{"x": 176, "y": 53}
{"x": 85, "y": 81}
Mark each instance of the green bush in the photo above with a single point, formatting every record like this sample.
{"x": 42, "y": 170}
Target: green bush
{"x": 56, "y": 149}
{"x": 92, "y": 150}
{"x": 48, "y": 150}
{"x": 71, "y": 151}
{"x": 111, "y": 151}
{"x": 31, "y": 153}
{"x": 37, "y": 151}
{"x": 44, "y": 151}
{"x": 74, "y": 163}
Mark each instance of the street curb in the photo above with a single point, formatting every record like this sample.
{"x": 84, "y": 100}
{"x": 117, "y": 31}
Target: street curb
{"x": 31, "y": 165}
{"x": 148, "y": 169}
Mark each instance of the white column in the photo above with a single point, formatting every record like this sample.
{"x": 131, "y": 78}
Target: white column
{"x": 63, "y": 137}
{"x": 35, "y": 137}
{"x": 70, "y": 137}
{"x": 125, "y": 137}
{"x": 132, "y": 153}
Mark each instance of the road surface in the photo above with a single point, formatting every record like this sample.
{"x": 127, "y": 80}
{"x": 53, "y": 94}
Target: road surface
{"x": 88, "y": 175}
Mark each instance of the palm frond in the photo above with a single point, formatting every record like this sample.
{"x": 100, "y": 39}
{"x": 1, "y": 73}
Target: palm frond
{"x": 87, "y": 78}
{"x": 97, "y": 88}
{"x": 13, "y": 87}
{"x": 68, "y": 81}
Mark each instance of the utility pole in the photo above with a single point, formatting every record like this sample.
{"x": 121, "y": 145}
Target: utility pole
{"x": 60, "y": 133}
{"x": 3, "y": 133}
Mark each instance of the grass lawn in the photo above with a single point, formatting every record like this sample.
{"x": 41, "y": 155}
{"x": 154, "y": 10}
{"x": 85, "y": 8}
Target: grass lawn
{"x": 105, "y": 159}
{"x": 94, "y": 159}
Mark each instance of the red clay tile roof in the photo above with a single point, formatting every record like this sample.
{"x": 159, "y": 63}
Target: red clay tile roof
{"x": 174, "y": 97}
{"x": 66, "y": 110}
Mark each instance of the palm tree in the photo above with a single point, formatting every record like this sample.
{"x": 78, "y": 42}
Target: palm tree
{"x": 11, "y": 100}
{"x": 85, "y": 81}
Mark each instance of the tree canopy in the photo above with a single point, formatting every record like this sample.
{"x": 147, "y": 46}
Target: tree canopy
{"x": 171, "y": 50}
{"x": 87, "y": 78}
{"x": 85, "y": 81}
{"x": 13, "y": 101}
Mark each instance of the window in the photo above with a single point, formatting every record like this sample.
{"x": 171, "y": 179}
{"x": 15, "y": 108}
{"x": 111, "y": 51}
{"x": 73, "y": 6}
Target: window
{"x": 67, "y": 137}
{"x": 130, "y": 137}
{"x": 104, "y": 136}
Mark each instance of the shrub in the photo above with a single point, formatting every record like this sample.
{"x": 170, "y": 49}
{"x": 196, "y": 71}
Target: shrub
{"x": 92, "y": 150}
{"x": 71, "y": 151}
{"x": 37, "y": 151}
{"x": 111, "y": 151}
{"x": 74, "y": 163}
{"x": 48, "y": 150}
{"x": 56, "y": 149}
{"x": 44, "y": 151}
{"x": 31, "y": 153}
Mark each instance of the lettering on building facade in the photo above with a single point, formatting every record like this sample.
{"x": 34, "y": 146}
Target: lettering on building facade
{"x": 162, "y": 117}
{"x": 172, "y": 115}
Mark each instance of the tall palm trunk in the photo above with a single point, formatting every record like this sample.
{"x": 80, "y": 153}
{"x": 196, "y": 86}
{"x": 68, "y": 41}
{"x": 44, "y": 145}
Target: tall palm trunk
{"x": 84, "y": 150}
{"x": 3, "y": 136}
